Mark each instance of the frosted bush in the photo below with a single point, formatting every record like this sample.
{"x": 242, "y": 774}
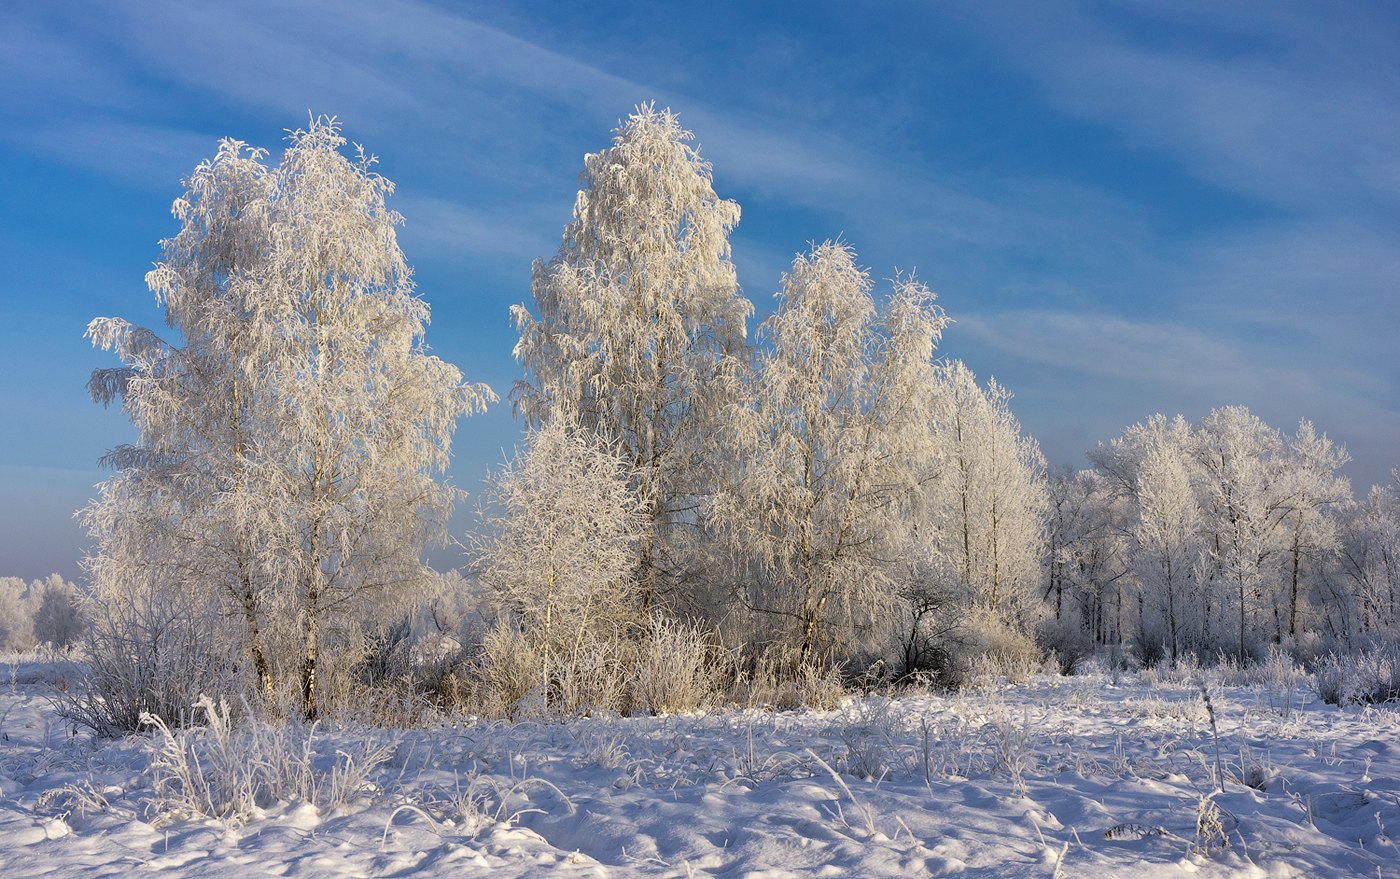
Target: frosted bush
{"x": 518, "y": 679}
{"x": 674, "y": 669}
{"x": 511, "y": 675}
{"x": 775, "y": 677}
{"x": 1187, "y": 670}
{"x": 594, "y": 680}
{"x": 147, "y": 654}
{"x": 1277, "y": 681}
{"x": 1008, "y": 740}
{"x": 1067, "y": 643}
{"x": 984, "y": 653}
{"x": 813, "y": 686}
{"x": 1370, "y": 676}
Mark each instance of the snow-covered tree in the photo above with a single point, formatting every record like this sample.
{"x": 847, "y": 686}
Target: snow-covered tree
{"x": 1315, "y": 493}
{"x": 639, "y": 327}
{"x": 40, "y": 611}
{"x": 180, "y": 509}
{"x": 16, "y": 617}
{"x": 292, "y": 434}
{"x": 58, "y": 621}
{"x": 1364, "y": 596}
{"x": 836, "y": 447}
{"x": 1152, "y": 471}
{"x": 1231, "y": 529}
{"x": 1093, "y": 554}
{"x": 1245, "y": 503}
{"x": 559, "y": 551}
{"x": 1165, "y": 540}
{"x": 989, "y": 505}
{"x": 367, "y": 415}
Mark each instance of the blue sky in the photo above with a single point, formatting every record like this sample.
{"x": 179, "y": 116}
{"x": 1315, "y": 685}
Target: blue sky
{"x": 1124, "y": 211}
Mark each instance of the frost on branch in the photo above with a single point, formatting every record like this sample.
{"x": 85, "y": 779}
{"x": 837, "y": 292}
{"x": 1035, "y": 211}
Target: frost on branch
{"x": 559, "y": 556}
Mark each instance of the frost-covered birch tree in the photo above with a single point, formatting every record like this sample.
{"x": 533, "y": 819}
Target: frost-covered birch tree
{"x": 1245, "y": 507}
{"x": 1365, "y": 597}
{"x": 1232, "y": 526}
{"x": 559, "y": 551}
{"x": 836, "y": 447}
{"x": 638, "y": 329}
{"x": 1315, "y": 493}
{"x": 293, "y": 431}
{"x": 1093, "y": 554}
{"x": 1165, "y": 540}
{"x": 1153, "y": 472}
{"x": 990, "y": 503}
{"x": 182, "y": 507}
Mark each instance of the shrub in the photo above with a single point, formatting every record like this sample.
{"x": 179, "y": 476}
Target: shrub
{"x": 147, "y": 654}
{"x": 1066, "y": 642}
{"x": 775, "y": 677}
{"x": 983, "y": 650}
{"x": 1368, "y": 677}
{"x": 1277, "y": 680}
{"x": 510, "y": 672}
{"x": 675, "y": 668}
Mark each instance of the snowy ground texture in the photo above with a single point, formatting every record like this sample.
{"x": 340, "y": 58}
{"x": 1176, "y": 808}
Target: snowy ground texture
{"x": 1070, "y": 777}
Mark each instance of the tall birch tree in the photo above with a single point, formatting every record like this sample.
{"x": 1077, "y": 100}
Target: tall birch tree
{"x": 990, "y": 504}
{"x": 1315, "y": 495}
{"x": 1165, "y": 540}
{"x": 639, "y": 327}
{"x": 837, "y": 446}
{"x": 293, "y": 434}
{"x": 182, "y": 507}
{"x": 1245, "y": 504}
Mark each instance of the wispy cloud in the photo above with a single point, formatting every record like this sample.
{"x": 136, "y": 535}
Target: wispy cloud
{"x": 1087, "y": 375}
{"x": 127, "y": 152}
{"x": 1058, "y": 273}
{"x": 440, "y": 226}
{"x": 1293, "y": 105}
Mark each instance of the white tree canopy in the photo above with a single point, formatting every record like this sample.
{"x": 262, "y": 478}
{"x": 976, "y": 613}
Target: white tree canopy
{"x": 989, "y": 504}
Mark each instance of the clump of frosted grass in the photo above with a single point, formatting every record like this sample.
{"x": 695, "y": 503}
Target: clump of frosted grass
{"x": 675, "y": 670}
{"x": 1367, "y": 677}
{"x": 230, "y": 772}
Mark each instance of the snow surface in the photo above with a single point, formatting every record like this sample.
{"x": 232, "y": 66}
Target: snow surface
{"x": 1074, "y": 777}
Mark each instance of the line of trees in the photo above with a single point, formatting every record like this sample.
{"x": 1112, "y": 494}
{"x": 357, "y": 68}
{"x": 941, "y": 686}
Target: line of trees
{"x": 832, "y": 490}
{"x": 1223, "y": 537}
{"x": 798, "y": 494}
{"x": 43, "y": 611}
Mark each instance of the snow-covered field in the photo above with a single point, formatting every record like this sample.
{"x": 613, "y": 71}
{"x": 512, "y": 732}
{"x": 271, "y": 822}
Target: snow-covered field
{"x": 1074, "y": 777}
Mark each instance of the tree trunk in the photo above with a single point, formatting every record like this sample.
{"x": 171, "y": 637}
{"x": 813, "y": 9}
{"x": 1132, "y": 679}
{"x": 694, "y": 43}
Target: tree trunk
{"x": 308, "y": 668}
{"x": 1293, "y": 592}
{"x": 255, "y": 646}
{"x": 1171, "y": 610}
{"x": 1240, "y": 578}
